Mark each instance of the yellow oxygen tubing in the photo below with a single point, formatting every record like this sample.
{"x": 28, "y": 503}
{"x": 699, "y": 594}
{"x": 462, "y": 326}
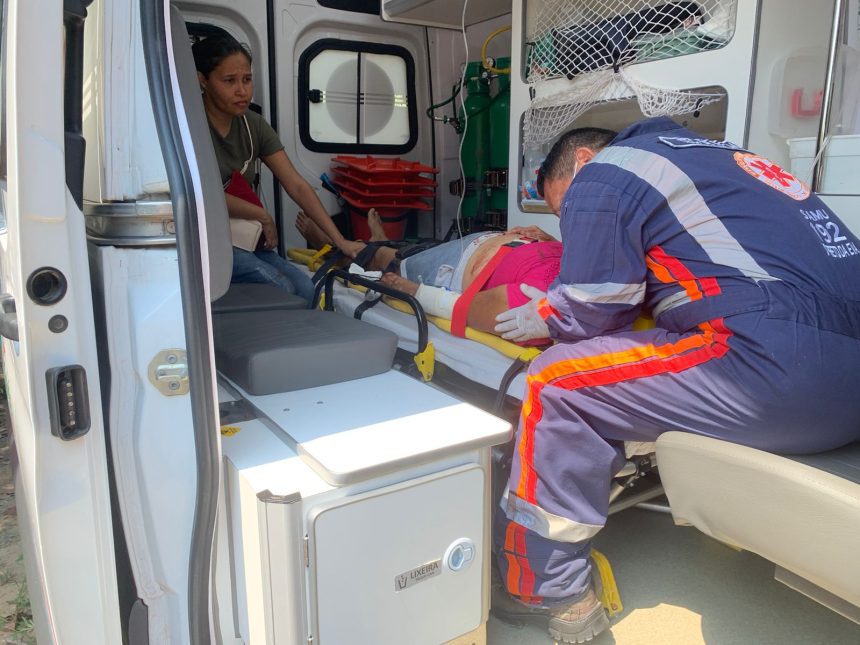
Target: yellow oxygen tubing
{"x": 487, "y": 66}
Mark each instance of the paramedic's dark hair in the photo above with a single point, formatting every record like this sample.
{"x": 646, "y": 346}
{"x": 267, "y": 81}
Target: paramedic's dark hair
{"x": 561, "y": 160}
{"x": 209, "y": 52}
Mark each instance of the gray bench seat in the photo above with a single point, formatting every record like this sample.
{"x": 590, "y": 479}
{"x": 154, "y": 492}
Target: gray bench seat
{"x": 266, "y": 352}
{"x": 256, "y": 297}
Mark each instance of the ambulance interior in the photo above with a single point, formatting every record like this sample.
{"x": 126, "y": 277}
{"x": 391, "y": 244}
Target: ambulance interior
{"x": 347, "y": 470}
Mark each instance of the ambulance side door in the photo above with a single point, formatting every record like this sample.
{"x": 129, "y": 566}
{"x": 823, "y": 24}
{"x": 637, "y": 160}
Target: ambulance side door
{"x": 48, "y": 329}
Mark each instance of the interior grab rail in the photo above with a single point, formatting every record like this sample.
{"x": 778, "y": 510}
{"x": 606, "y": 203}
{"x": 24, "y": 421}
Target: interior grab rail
{"x": 827, "y": 97}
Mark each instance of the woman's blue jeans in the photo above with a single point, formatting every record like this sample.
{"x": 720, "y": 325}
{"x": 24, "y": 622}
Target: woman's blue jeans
{"x": 267, "y": 267}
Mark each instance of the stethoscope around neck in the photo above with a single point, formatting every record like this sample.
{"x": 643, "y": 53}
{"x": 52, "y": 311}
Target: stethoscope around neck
{"x": 251, "y": 141}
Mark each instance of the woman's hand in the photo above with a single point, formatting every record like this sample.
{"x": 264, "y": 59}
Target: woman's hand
{"x": 270, "y": 233}
{"x": 533, "y": 232}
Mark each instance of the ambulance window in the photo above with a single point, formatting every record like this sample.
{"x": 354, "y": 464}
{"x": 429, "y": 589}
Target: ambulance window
{"x": 357, "y": 97}
{"x": 359, "y": 6}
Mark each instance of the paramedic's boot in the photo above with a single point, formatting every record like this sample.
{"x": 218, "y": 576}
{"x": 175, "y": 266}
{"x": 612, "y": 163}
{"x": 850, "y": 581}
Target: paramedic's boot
{"x": 578, "y": 622}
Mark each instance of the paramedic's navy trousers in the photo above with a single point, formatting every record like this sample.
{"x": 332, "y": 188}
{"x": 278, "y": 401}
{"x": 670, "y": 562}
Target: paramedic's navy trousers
{"x": 769, "y": 383}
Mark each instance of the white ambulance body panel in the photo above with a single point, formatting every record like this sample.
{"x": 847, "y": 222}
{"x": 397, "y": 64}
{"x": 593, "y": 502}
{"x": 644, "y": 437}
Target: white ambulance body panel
{"x": 152, "y": 450}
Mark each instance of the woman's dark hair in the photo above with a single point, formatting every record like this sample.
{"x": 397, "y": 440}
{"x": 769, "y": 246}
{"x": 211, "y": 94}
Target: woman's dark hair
{"x": 561, "y": 160}
{"x": 209, "y": 53}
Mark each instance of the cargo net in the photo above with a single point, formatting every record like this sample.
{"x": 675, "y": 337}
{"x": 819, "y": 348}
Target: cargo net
{"x": 592, "y": 41}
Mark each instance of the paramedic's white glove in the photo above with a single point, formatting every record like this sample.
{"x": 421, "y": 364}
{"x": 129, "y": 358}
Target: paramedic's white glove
{"x": 524, "y": 322}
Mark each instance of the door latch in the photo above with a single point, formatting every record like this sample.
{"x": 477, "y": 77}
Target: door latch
{"x": 168, "y": 372}
{"x": 8, "y": 317}
{"x": 68, "y": 401}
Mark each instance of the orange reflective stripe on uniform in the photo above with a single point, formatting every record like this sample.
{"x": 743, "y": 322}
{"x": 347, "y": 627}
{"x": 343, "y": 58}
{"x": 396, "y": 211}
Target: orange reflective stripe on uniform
{"x": 521, "y": 579}
{"x": 604, "y": 369}
{"x": 545, "y": 310}
{"x": 669, "y": 269}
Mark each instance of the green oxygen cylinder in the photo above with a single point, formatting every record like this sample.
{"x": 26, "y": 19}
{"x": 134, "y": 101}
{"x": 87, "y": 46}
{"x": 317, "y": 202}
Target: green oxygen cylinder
{"x": 500, "y": 118}
{"x": 475, "y": 143}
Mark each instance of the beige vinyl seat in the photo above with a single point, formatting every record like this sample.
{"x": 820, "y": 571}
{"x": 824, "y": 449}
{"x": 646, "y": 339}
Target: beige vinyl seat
{"x": 800, "y": 512}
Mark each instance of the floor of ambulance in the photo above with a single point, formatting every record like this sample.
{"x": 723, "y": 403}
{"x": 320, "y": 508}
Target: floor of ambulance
{"x": 680, "y": 587}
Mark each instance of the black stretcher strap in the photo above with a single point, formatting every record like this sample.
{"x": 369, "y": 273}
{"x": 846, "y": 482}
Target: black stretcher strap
{"x": 364, "y": 306}
{"x": 384, "y": 289}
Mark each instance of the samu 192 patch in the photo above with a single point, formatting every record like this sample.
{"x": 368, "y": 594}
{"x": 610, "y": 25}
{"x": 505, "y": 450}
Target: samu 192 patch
{"x": 771, "y": 174}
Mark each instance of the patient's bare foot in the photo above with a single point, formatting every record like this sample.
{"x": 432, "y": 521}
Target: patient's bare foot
{"x": 374, "y": 223}
{"x": 311, "y": 231}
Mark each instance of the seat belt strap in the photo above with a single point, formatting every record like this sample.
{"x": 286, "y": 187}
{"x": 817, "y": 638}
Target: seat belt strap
{"x": 461, "y": 307}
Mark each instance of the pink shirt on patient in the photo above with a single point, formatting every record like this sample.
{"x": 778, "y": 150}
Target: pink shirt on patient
{"x": 536, "y": 264}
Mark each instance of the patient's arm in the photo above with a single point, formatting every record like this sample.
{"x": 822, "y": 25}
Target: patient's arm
{"x": 484, "y": 308}
{"x": 400, "y": 283}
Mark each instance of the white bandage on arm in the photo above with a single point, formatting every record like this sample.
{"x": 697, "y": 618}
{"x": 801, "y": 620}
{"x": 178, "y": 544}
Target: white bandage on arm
{"x": 437, "y": 301}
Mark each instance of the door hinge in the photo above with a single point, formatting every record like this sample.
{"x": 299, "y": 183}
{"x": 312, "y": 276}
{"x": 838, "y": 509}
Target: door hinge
{"x": 168, "y": 372}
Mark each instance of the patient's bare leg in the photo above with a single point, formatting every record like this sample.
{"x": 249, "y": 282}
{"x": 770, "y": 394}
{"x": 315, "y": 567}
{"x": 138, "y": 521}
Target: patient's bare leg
{"x": 381, "y": 259}
{"x": 309, "y": 229}
{"x": 374, "y": 223}
{"x": 317, "y": 238}
{"x": 384, "y": 255}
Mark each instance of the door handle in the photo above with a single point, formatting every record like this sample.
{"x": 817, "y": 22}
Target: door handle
{"x": 8, "y": 317}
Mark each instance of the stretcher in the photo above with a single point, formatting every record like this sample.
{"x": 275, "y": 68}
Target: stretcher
{"x": 480, "y": 357}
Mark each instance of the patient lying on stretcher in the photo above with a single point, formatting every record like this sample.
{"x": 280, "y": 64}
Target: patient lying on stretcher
{"x": 439, "y": 275}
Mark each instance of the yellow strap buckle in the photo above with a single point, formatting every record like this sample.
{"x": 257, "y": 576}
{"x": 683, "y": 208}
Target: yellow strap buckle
{"x": 426, "y": 361}
{"x": 608, "y": 590}
{"x": 325, "y": 249}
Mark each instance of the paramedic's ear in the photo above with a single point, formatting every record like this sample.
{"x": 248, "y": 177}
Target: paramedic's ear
{"x": 202, "y": 80}
{"x": 583, "y": 155}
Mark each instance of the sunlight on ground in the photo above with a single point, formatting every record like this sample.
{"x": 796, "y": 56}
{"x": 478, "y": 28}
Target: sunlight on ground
{"x": 664, "y": 624}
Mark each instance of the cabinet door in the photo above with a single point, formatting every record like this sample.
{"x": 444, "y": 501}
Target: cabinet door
{"x": 405, "y": 564}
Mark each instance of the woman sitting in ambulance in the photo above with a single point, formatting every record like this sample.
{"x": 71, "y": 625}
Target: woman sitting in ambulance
{"x": 241, "y": 138}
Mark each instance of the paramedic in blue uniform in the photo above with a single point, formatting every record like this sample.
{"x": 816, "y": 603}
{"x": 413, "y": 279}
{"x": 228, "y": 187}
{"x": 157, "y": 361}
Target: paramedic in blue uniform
{"x": 754, "y": 287}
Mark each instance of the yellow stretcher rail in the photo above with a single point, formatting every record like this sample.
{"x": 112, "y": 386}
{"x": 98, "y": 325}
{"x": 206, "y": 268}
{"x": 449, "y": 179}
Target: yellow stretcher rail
{"x": 311, "y": 258}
